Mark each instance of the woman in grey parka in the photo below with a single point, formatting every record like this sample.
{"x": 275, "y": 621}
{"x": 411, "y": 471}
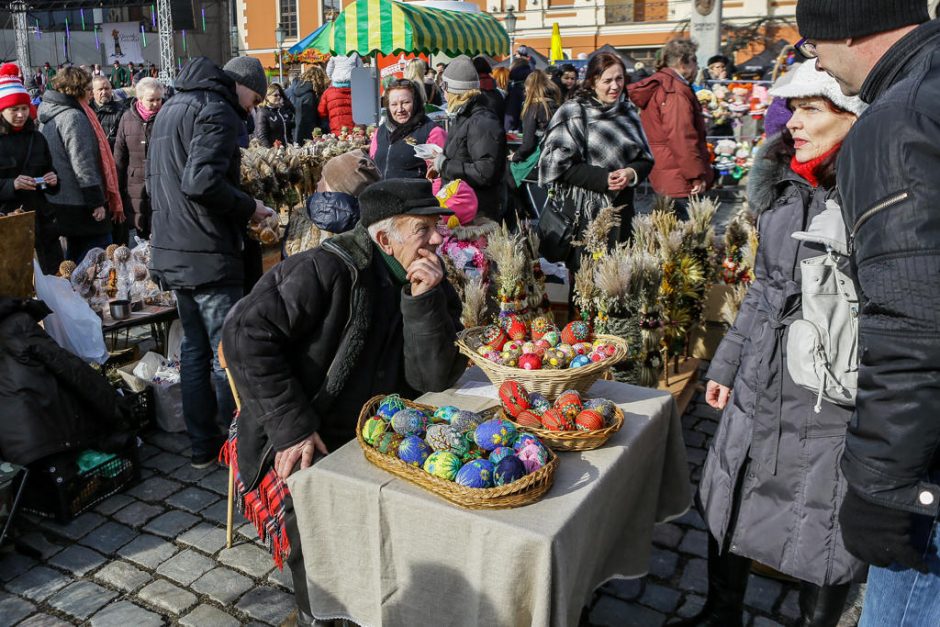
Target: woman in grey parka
{"x": 771, "y": 487}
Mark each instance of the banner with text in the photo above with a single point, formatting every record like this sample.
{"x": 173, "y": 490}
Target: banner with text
{"x": 122, "y": 42}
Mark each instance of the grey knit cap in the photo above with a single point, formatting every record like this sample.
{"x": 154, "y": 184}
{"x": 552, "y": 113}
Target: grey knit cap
{"x": 460, "y": 75}
{"x": 248, "y": 71}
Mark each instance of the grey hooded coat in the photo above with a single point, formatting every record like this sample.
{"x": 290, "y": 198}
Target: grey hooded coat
{"x": 771, "y": 487}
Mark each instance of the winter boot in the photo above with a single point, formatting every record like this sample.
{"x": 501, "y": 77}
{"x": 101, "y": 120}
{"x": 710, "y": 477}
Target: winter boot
{"x": 727, "y": 582}
{"x": 821, "y": 606}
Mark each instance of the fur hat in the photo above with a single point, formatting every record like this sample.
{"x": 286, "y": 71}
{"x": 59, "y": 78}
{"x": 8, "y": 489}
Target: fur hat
{"x": 12, "y": 93}
{"x": 398, "y": 197}
{"x": 350, "y": 173}
{"x": 460, "y": 75}
{"x": 248, "y": 71}
{"x": 808, "y": 82}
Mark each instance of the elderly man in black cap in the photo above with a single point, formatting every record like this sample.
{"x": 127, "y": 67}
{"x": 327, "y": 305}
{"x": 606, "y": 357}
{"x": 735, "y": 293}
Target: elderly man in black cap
{"x": 888, "y": 53}
{"x": 368, "y": 312}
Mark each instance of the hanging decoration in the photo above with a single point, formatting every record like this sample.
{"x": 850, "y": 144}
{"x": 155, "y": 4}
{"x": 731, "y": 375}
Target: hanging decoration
{"x": 203, "y": 18}
{"x": 143, "y": 35}
{"x": 81, "y": 12}
{"x": 97, "y": 39}
{"x": 153, "y": 16}
{"x": 184, "y": 43}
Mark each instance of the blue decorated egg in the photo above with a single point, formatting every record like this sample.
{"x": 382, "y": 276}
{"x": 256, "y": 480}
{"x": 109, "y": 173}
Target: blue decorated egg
{"x": 493, "y": 433}
{"x": 390, "y": 405}
{"x": 499, "y": 454}
{"x": 442, "y": 437}
{"x": 509, "y": 470}
{"x": 533, "y": 456}
{"x": 538, "y": 403}
{"x": 579, "y": 361}
{"x": 409, "y": 422}
{"x": 604, "y": 407}
{"x": 465, "y": 421}
{"x": 476, "y": 474}
{"x": 413, "y": 450}
{"x": 445, "y": 413}
{"x": 525, "y": 439}
{"x": 443, "y": 464}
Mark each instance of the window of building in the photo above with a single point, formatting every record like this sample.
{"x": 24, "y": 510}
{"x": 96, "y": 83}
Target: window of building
{"x": 289, "y": 17}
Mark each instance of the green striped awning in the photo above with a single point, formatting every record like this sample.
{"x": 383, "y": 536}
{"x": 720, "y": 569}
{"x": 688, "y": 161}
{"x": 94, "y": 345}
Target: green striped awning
{"x": 388, "y": 27}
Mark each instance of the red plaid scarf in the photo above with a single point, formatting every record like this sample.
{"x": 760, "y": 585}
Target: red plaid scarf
{"x": 263, "y": 506}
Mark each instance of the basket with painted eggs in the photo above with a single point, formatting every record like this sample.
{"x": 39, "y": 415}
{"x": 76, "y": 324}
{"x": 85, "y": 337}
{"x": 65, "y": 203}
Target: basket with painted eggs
{"x": 570, "y": 423}
{"x": 474, "y": 460}
{"x": 546, "y": 360}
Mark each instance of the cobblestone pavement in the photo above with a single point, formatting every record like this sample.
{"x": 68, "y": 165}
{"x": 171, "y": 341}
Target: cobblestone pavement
{"x": 155, "y": 555}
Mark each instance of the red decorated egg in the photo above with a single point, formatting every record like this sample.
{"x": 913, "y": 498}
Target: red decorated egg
{"x": 513, "y": 397}
{"x": 576, "y": 331}
{"x": 528, "y": 418}
{"x": 494, "y": 337}
{"x": 589, "y": 420}
{"x": 530, "y": 361}
{"x": 554, "y": 420}
{"x": 597, "y": 356}
{"x": 543, "y": 344}
{"x": 583, "y": 348}
{"x": 540, "y": 326}
{"x": 569, "y": 403}
{"x": 516, "y": 328}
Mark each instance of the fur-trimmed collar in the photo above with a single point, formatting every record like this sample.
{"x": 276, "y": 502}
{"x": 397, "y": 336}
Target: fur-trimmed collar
{"x": 766, "y": 173}
{"x": 479, "y": 227}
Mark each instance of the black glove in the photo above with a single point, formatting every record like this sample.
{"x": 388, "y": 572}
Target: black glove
{"x": 878, "y": 535}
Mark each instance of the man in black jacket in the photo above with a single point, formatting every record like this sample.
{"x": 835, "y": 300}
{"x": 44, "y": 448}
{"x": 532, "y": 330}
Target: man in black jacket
{"x": 198, "y": 222}
{"x": 889, "y": 55}
{"x": 368, "y": 312}
{"x": 107, "y": 108}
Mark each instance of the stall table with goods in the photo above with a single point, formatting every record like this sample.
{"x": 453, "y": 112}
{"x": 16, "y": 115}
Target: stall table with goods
{"x": 384, "y": 550}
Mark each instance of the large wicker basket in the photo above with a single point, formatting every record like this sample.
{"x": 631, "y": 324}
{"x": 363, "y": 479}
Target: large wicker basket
{"x": 548, "y": 383}
{"x": 573, "y": 440}
{"x": 524, "y": 491}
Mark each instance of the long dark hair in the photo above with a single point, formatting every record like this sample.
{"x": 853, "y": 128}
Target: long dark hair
{"x": 599, "y": 64}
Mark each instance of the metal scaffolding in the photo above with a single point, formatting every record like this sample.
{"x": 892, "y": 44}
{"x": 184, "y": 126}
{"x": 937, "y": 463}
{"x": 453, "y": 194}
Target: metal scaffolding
{"x": 165, "y": 34}
{"x": 21, "y": 33}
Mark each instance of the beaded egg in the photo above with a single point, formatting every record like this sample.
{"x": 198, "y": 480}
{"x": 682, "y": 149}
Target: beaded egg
{"x": 413, "y": 451}
{"x": 441, "y": 437}
{"x": 604, "y": 407}
{"x": 513, "y": 397}
{"x": 443, "y": 464}
{"x": 464, "y": 421}
{"x": 528, "y": 418}
{"x": 538, "y": 403}
{"x": 540, "y": 326}
{"x": 576, "y": 331}
{"x": 515, "y": 327}
{"x": 570, "y": 404}
{"x": 589, "y": 420}
{"x": 554, "y": 359}
{"x": 494, "y": 337}
{"x": 390, "y": 405}
{"x": 554, "y": 420}
{"x": 409, "y": 421}
{"x": 533, "y": 457}
{"x": 476, "y": 474}
{"x": 493, "y": 433}
{"x": 514, "y": 347}
{"x": 508, "y": 470}
{"x": 530, "y": 361}
{"x": 553, "y": 337}
{"x": 567, "y": 351}
{"x": 579, "y": 361}
{"x": 373, "y": 428}
{"x": 531, "y": 348}
{"x": 388, "y": 443}
{"x": 500, "y": 453}
{"x": 597, "y": 356}
{"x": 582, "y": 348}
{"x": 445, "y": 413}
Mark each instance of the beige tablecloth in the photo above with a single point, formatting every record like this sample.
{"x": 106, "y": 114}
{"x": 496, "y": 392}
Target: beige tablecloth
{"x": 382, "y": 551}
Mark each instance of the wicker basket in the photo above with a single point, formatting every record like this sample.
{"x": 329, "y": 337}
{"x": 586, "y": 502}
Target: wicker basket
{"x": 572, "y": 440}
{"x": 524, "y": 491}
{"x": 548, "y": 383}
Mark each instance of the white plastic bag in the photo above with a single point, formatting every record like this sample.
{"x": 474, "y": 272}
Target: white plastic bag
{"x": 72, "y": 324}
{"x": 428, "y": 152}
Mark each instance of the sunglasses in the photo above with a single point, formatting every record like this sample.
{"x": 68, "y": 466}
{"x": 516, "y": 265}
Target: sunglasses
{"x": 807, "y": 48}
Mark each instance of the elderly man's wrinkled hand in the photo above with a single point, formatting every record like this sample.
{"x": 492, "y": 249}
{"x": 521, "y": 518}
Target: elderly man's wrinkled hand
{"x": 304, "y": 452}
{"x": 425, "y": 272}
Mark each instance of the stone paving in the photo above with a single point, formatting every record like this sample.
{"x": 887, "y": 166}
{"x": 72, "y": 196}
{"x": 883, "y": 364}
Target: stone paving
{"x": 156, "y": 555}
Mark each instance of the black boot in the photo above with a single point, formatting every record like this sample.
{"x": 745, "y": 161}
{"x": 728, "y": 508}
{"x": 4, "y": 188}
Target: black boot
{"x": 727, "y": 582}
{"x": 821, "y": 606}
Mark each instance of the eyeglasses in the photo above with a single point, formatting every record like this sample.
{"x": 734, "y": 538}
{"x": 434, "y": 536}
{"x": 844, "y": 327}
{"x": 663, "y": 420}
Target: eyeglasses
{"x": 807, "y": 48}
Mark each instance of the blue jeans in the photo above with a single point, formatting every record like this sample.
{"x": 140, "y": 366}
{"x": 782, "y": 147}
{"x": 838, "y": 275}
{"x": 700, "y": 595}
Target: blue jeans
{"x": 903, "y": 597}
{"x": 208, "y": 405}
{"x": 76, "y": 246}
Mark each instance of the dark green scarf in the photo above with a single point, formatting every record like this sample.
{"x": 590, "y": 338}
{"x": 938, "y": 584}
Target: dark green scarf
{"x": 398, "y": 272}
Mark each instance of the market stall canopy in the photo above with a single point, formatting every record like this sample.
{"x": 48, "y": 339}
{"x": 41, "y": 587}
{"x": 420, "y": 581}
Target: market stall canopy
{"x": 304, "y": 43}
{"x": 387, "y": 27}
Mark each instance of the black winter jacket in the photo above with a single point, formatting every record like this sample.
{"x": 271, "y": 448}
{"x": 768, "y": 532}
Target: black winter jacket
{"x": 110, "y": 114}
{"x": 306, "y": 116}
{"x": 888, "y": 169}
{"x": 323, "y": 332}
{"x": 515, "y": 97}
{"x": 398, "y": 160}
{"x": 270, "y": 126}
{"x": 199, "y": 213}
{"x": 51, "y": 400}
{"x": 476, "y": 153}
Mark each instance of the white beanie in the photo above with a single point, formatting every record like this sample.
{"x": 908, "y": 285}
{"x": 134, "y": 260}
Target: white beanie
{"x": 808, "y": 82}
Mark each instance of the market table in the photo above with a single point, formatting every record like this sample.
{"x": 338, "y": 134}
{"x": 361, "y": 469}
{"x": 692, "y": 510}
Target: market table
{"x": 382, "y": 551}
{"x": 159, "y": 318}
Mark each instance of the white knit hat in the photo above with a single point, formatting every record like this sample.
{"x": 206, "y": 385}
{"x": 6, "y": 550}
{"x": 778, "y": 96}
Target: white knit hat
{"x": 808, "y": 82}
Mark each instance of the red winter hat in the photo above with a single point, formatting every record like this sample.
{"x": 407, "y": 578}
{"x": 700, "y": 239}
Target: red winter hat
{"x": 11, "y": 69}
{"x": 12, "y": 93}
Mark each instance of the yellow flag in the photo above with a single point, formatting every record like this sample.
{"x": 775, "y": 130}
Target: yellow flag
{"x": 556, "y": 54}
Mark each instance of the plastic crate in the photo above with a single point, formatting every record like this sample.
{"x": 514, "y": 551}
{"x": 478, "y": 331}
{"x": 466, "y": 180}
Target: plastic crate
{"x": 55, "y": 494}
{"x": 143, "y": 407}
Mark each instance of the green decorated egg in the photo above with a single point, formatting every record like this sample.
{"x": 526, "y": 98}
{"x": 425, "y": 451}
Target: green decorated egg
{"x": 443, "y": 464}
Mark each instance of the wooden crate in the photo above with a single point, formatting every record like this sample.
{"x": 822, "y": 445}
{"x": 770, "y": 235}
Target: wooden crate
{"x": 17, "y": 240}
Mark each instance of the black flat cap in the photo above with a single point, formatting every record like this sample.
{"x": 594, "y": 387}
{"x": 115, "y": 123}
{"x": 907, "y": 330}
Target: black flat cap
{"x": 398, "y": 197}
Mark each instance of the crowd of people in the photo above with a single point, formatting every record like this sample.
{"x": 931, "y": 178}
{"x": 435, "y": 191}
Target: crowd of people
{"x": 823, "y": 489}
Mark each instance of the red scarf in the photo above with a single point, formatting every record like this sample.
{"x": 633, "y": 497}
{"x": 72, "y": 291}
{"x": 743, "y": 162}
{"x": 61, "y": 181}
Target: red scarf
{"x": 109, "y": 177}
{"x": 809, "y": 169}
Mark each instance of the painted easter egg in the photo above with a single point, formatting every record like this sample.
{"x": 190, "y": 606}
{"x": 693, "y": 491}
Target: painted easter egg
{"x": 500, "y": 453}
{"x": 472, "y": 454}
{"x": 533, "y": 457}
{"x": 413, "y": 451}
{"x": 538, "y": 403}
{"x": 409, "y": 421}
{"x": 493, "y": 433}
{"x": 582, "y": 348}
{"x": 523, "y": 440}
{"x": 570, "y": 404}
{"x": 553, "y": 337}
{"x": 515, "y": 327}
{"x": 580, "y": 361}
{"x": 443, "y": 464}
{"x": 576, "y": 331}
{"x": 589, "y": 420}
{"x": 476, "y": 474}
{"x": 388, "y": 443}
{"x": 514, "y": 397}
{"x": 494, "y": 337}
{"x": 554, "y": 420}
{"x": 540, "y": 326}
{"x": 508, "y": 470}
{"x": 464, "y": 421}
{"x": 604, "y": 407}
{"x": 530, "y": 362}
{"x": 528, "y": 418}
{"x": 390, "y": 406}
{"x": 445, "y": 413}
{"x": 567, "y": 351}
{"x": 373, "y": 428}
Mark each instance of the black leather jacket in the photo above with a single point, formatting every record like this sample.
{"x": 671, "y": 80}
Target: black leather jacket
{"x": 888, "y": 177}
